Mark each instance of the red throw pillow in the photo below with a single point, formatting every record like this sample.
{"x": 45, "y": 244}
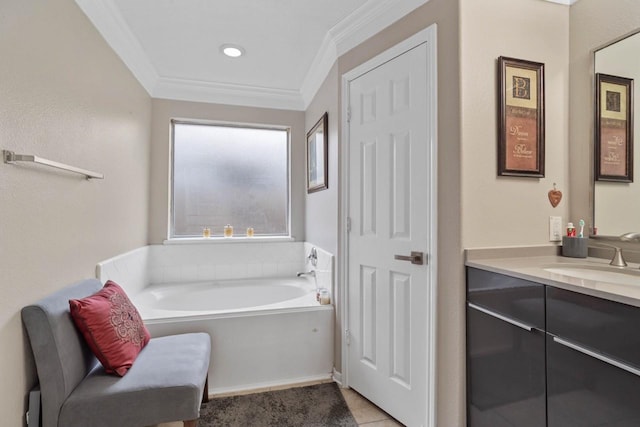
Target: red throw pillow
{"x": 111, "y": 326}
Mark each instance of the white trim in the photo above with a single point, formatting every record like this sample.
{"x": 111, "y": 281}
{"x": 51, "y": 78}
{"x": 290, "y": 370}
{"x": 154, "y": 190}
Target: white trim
{"x": 337, "y": 377}
{"x": 428, "y": 36}
{"x": 320, "y": 68}
{"x": 364, "y": 22}
{"x": 369, "y": 20}
{"x": 106, "y": 17}
{"x": 226, "y": 93}
{"x": 225, "y": 240}
{"x": 267, "y": 385}
{"x": 565, "y": 2}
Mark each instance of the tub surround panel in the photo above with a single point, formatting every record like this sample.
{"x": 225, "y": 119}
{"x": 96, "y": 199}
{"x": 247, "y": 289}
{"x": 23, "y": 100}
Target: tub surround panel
{"x": 324, "y": 268}
{"x": 190, "y": 263}
{"x": 130, "y": 268}
{"x": 275, "y": 349}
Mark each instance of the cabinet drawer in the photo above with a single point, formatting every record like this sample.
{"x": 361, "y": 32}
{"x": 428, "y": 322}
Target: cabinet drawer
{"x": 585, "y": 391}
{"x": 607, "y": 327}
{"x": 517, "y": 299}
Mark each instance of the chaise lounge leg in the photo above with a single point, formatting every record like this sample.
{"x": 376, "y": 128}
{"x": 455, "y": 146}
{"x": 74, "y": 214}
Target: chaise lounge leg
{"x": 191, "y": 423}
{"x": 205, "y": 395}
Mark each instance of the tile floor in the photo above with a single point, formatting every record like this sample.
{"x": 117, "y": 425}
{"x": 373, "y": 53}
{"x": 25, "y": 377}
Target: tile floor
{"x": 364, "y": 412}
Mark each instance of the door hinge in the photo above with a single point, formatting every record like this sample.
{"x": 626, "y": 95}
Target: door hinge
{"x": 347, "y": 336}
{"x": 348, "y": 224}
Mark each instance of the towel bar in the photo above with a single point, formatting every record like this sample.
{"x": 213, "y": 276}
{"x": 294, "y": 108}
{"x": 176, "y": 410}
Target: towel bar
{"x": 11, "y": 157}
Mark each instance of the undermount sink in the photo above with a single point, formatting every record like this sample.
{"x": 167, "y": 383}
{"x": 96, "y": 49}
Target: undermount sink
{"x": 597, "y": 273}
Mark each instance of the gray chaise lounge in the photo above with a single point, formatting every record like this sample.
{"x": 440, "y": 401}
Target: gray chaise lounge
{"x": 166, "y": 382}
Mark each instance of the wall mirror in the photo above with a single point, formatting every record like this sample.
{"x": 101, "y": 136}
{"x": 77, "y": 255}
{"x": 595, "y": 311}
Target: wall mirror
{"x": 616, "y": 204}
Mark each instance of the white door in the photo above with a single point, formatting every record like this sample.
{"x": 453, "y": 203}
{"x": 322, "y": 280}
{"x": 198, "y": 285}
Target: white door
{"x": 389, "y": 207}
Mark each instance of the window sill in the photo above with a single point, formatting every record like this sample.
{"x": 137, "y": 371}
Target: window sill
{"x": 219, "y": 240}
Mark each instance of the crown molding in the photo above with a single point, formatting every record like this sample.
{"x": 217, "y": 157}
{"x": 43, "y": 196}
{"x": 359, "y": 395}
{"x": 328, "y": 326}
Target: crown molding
{"x": 107, "y": 19}
{"x": 361, "y": 24}
{"x": 230, "y": 94}
{"x": 565, "y": 2}
{"x": 366, "y": 21}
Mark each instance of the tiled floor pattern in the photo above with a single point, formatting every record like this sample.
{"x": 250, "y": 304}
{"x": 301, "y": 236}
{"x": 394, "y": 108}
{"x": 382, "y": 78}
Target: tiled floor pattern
{"x": 364, "y": 412}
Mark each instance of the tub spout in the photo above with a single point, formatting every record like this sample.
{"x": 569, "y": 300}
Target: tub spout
{"x": 311, "y": 273}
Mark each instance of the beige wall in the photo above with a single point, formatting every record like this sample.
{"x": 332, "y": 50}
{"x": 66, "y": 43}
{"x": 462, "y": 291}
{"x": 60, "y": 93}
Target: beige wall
{"x": 165, "y": 110}
{"x": 594, "y": 24}
{"x": 508, "y": 211}
{"x": 450, "y": 398}
{"x": 321, "y": 208}
{"x": 64, "y": 95}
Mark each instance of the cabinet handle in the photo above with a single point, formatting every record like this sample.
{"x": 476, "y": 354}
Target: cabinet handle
{"x": 501, "y": 317}
{"x": 598, "y": 356}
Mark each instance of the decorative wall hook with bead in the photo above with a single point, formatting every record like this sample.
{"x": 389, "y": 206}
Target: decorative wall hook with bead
{"x": 555, "y": 196}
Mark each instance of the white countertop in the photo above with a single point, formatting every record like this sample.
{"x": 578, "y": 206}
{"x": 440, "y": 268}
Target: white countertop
{"x": 534, "y": 268}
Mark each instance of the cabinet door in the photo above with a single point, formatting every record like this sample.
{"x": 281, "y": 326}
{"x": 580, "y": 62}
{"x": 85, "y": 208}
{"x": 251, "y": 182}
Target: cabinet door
{"x": 505, "y": 351}
{"x": 593, "y": 350}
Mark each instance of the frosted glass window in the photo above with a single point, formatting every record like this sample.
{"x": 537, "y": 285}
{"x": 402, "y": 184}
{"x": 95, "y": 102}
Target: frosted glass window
{"x": 229, "y": 175}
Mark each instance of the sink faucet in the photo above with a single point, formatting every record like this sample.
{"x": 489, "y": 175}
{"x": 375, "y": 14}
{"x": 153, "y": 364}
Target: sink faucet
{"x": 633, "y": 236}
{"x": 618, "y": 259}
{"x": 311, "y": 273}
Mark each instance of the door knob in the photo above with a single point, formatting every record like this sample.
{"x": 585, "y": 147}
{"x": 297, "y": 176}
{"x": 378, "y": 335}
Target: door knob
{"x": 415, "y": 258}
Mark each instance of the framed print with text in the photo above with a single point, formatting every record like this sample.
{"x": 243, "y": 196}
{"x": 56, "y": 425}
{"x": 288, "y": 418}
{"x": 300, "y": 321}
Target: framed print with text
{"x": 614, "y": 128}
{"x": 520, "y": 118}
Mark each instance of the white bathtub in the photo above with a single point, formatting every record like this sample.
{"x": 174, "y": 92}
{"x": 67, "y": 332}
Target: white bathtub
{"x": 264, "y": 332}
{"x": 212, "y": 298}
{"x": 265, "y": 325}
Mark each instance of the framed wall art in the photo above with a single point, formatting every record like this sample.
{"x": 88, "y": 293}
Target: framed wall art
{"x": 614, "y": 128}
{"x": 317, "y": 160}
{"x": 520, "y": 118}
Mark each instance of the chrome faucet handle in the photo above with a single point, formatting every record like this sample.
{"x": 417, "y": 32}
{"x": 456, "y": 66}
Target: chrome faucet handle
{"x": 633, "y": 236}
{"x": 618, "y": 260}
{"x": 313, "y": 257}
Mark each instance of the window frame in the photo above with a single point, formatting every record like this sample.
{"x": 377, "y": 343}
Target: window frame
{"x": 218, "y": 238}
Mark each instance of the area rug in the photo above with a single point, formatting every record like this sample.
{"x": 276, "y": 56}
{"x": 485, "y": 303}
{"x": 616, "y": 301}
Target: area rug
{"x": 316, "y": 405}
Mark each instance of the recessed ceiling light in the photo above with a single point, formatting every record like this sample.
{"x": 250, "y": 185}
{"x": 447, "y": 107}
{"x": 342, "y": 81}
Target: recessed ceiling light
{"x": 232, "y": 51}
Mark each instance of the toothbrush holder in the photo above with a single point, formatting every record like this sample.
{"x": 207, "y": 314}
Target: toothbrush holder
{"x": 575, "y": 247}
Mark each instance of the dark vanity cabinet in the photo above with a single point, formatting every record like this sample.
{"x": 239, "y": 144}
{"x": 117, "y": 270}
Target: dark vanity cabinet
{"x": 505, "y": 351}
{"x": 544, "y": 356}
{"x": 593, "y": 361}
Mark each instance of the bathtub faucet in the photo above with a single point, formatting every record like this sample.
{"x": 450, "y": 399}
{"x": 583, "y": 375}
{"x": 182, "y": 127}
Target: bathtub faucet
{"x": 311, "y": 273}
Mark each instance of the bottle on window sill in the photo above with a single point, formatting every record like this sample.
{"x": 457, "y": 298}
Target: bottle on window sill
{"x": 228, "y": 231}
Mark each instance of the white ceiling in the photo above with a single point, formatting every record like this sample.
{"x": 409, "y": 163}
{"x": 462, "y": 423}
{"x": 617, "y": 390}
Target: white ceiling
{"x": 172, "y": 46}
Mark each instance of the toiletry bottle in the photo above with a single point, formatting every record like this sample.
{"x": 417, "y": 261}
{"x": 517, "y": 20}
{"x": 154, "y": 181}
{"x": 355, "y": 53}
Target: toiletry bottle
{"x": 228, "y": 230}
{"x": 250, "y": 232}
{"x": 324, "y": 297}
{"x": 571, "y": 230}
{"x": 206, "y": 232}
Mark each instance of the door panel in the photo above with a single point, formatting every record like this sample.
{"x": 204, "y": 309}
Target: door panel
{"x": 389, "y": 206}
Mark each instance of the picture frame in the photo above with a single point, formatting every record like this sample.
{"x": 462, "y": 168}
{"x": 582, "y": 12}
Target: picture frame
{"x": 521, "y": 121}
{"x": 614, "y": 128}
{"x": 317, "y": 155}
